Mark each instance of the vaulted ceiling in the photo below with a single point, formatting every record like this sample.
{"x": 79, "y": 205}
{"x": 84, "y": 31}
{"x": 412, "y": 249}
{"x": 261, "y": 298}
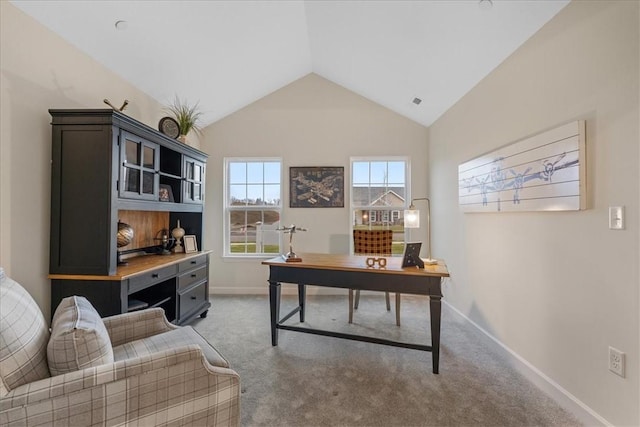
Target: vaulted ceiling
{"x": 228, "y": 54}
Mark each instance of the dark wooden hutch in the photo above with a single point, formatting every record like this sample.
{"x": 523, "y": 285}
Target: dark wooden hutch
{"x": 107, "y": 167}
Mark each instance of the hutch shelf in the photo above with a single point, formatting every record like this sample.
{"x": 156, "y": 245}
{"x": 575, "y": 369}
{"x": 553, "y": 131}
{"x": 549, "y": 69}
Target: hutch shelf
{"x": 108, "y": 167}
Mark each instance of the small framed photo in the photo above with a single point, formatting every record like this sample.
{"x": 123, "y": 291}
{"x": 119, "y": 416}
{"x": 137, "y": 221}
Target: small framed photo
{"x": 190, "y": 244}
{"x": 165, "y": 193}
{"x": 411, "y": 257}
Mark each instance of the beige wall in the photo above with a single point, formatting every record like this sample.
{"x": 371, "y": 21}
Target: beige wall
{"x": 557, "y": 288}
{"x": 311, "y": 122}
{"x": 42, "y": 71}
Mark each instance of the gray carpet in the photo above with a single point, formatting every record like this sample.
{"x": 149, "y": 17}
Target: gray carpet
{"x": 311, "y": 380}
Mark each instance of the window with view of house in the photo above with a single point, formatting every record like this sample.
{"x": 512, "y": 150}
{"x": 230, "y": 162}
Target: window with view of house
{"x": 379, "y": 188}
{"x": 253, "y": 206}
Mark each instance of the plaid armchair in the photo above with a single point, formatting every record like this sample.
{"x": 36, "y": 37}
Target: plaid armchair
{"x": 373, "y": 243}
{"x": 156, "y": 373}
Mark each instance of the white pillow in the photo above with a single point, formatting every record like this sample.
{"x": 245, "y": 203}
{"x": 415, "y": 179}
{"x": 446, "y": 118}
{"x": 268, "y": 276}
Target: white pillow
{"x": 79, "y": 338}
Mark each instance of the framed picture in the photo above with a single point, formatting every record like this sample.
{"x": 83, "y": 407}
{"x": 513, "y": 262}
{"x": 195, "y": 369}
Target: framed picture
{"x": 165, "y": 194}
{"x": 411, "y": 257}
{"x": 543, "y": 172}
{"x": 190, "y": 244}
{"x": 316, "y": 187}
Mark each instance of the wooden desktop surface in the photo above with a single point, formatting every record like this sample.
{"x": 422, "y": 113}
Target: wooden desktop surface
{"x": 358, "y": 263}
{"x": 135, "y": 265}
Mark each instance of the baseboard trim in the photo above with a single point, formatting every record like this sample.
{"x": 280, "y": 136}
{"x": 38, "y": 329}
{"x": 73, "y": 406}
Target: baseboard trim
{"x": 584, "y": 413}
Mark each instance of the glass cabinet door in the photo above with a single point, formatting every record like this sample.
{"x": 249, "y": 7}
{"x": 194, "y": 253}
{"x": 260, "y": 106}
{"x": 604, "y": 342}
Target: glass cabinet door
{"x": 139, "y": 167}
{"x": 193, "y": 174}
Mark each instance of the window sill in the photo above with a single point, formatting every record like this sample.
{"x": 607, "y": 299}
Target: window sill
{"x": 242, "y": 258}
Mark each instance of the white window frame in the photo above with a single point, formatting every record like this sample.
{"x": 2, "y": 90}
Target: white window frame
{"x": 391, "y": 209}
{"x": 227, "y": 208}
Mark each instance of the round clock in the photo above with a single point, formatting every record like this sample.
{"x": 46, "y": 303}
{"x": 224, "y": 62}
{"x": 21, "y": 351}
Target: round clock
{"x": 169, "y": 126}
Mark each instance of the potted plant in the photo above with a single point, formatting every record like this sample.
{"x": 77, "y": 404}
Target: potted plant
{"x": 186, "y": 115}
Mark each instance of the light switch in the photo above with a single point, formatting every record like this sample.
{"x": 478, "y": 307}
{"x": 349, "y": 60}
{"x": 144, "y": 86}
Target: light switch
{"x": 616, "y": 217}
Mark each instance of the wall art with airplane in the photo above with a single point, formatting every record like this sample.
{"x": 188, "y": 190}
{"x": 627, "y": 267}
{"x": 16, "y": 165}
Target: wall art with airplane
{"x": 544, "y": 172}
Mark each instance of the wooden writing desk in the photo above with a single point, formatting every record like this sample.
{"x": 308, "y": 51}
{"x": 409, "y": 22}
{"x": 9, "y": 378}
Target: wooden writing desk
{"x": 351, "y": 272}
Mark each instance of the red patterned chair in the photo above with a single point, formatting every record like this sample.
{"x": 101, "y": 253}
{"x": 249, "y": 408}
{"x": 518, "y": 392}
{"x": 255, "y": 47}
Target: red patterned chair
{"x": 374, "y": 243}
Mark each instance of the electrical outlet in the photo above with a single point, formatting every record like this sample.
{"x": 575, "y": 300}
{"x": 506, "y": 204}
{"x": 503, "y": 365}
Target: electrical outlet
{"x": 616, "y": 361}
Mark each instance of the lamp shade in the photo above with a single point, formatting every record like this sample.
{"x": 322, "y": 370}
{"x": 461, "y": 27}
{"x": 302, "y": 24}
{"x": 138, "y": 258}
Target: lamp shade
{"x": 411, "y": 218}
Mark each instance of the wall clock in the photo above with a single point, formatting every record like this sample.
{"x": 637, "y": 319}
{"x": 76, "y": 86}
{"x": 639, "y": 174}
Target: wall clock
{"x": 169, "y": 126}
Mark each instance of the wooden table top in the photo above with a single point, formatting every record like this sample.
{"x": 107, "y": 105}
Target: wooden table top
{"x": 136, "y": 265}
{"x": 357, "y": 263}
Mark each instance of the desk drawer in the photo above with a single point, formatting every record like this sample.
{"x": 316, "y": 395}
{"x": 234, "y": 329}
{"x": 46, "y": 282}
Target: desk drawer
{"x": 187, "y": 279}
{"x": 192, "y": 263}
{"x": 151, "y": 277}
{"x": 192, "y": 299}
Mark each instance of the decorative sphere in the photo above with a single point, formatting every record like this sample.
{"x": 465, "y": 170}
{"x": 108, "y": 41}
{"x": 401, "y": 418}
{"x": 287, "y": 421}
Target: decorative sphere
{"x": 125, "y": 234}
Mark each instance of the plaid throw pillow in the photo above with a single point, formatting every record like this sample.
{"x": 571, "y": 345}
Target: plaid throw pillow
{"x": 23, "y": 337}
{"x": 79, "y": 338}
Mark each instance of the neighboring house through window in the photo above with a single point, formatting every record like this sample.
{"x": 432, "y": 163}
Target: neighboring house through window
{"x": 252, "y": 206}
{"x": 379, "y": 188}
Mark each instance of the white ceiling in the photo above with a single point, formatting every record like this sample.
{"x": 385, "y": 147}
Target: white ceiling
{"x": 228, "y": 54}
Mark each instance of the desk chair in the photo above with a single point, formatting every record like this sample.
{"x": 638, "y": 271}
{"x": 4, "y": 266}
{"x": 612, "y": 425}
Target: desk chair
{"x": 374, "y": 243}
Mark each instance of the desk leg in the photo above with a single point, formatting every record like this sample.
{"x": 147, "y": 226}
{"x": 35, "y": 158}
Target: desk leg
{"x": 302, "y": 293}
{"x": 274, "y": 303}
{"x": 435, "y": 308}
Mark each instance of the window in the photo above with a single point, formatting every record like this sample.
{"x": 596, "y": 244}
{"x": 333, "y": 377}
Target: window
{"x": 253, "y": 205}
{"x": 379, "y": 189}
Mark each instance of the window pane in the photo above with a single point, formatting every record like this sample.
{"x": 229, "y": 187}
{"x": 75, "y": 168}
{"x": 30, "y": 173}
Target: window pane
{"x": 254, "y": 172}
{"x": 361, "y": 173}
{"x": 267, "y": 235}
{"x": 237, "y": 231}
{"x": 272, "y": 172}
{"x": 361, "y": 196}
{"x": 254, "y": 231}
{"x": 197, "y": 191}
{"x": 149, "y": 157}
{"x": 255, "y": 195}
{"x": 237, "y": 172}
{"x": 131, "y": 153}
{"x": 148, "y": 182}
{"x": 378, "y": 172}
{"x": 132, "y": 180}
{"x": 238, "y": 219}
{"x": 396, "y": 173}
{"x": 238, "y": 195}
{"x": 189, "y": 171}
{"x": 272, "y": 195}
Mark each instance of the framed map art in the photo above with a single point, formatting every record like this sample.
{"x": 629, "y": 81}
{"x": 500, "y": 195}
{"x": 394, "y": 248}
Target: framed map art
{"x": 316, "y": 187}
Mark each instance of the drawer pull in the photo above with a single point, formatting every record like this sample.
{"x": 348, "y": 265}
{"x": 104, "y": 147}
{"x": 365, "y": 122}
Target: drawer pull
{"x": 155, "y": 275}
{"x": 194, "y": 275}
{"x": 194, "y": 262}
{"x": 193, "y": 297}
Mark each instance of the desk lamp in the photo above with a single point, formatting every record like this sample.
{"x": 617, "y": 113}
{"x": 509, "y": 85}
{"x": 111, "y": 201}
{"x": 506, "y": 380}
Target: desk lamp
{"x": 412, "y": 220}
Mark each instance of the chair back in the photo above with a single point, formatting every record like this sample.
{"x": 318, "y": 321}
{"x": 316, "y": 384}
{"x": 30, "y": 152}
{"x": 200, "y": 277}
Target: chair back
{"x": 23, "y": 337}
{"x": 372, "y": 242}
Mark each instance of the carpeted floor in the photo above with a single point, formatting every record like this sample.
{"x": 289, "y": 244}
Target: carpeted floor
{"x": 311, "y": 380}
